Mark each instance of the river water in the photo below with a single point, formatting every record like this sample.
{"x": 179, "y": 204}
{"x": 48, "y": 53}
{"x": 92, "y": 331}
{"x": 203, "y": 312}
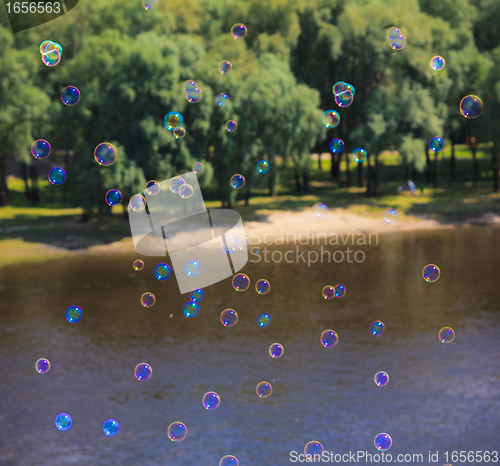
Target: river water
{"x": 440, "y": 398}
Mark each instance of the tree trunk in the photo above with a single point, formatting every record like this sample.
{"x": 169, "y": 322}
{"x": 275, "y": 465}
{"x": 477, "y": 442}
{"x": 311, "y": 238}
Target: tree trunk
{"x": 495, "y": 164}
{"x": 428, "y": 166}
{"x": 271, "y": 180}
{"x": 347, "y": 171}
{"x": 297, "y": 181}
{"x": 435, "y": 174}
{"x": 85, "y": 217}
{"x": 305, "y": 180}
{"x": 360, "y": 174}
{"x": 476, "y": 174}
{"x": 375, "y": 175}
{"x": 332, "y": 165}
{"x": 368, "y": 175}
{"x": 452, "y": 162}
{"x": 24, "y": 169}
{"x": 35, "y": 193}
{"x": 247, "y": 196}
{"x": 320, "y": 168}
{"x": 4, "y": 190}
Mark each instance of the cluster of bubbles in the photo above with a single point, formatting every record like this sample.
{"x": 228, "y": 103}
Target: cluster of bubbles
{"x": 396, "y": 38}
{"x": 192, "y": 91}
{"x": 436, "y": 144}
{"x": 51, "y": 52}
{"x": 70, "y": 96}
{"x": 173, "y": 121}
{"x": 237, "y": 181}
{"x": 344, "y": 93}
{"x": 330, "y": 292}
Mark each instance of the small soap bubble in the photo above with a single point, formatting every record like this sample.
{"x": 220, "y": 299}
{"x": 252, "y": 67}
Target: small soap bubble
{"x": 237, "y": 181}
{"x": 399, "y": 42}
{"x": 437, "y": 63}
{"x": 44, "y": 44}
{"x": 231, "y": 126}
{"x": 229, "y": 318}
{"x": 264, "y": 320}
{"x": 239, "y": 31}
{"x": 74, "y": 314}
{"x": 393, "y": 33}
{"x": 40, "y": 149}
{"x": 383, "y": 442}
{"x": 446, "y": 335}
{"x": 149, "y": 4}
{"x": 163, "y": 271}
{"x": 313, "y": 450}
{"x": 148, "y": 300}
{"x": 359, "y": 155}
{"x": 138, "y": 264}
{"x": 190, "y": 309}
{"x": 113, "y": 197}
{"x": 198, "y": 167}
{"x": 229, "y": 460}
{"x": 345, "y": 95}
{"x": 328, "y": 292}
{"x": 262, "y": 166}
{"x": 42, "y": 366}
{"x": 339, "y": 291}
{"x": 221, "y": 99}
{"x": 390, "y": 216}
{"x": 192, "y": 268}
{"x": 177, "y": 431}
{"x": 110, "y": 427}
{"x": 336, "y": 145}
{"x": 241, "y": 282}
{"x": 143, "y": 371}
{"x": 331, "y": 119}
{"x": 186, "y": 191}
{"x": 137, "y": 202}
{"x": 63, "y": 421}
{"x": 189, "y": 85}
{"x": 231, "y": 245}
{"x": 381, "y": 379}
{"x": 173, "y": 119}
{"x": 320, "y": 210}
{"x": 377, "y": 328}
{"x": 225, "y": 67}
{"x": 70, "y": 96}
{"x": 211, "y": 400}
{"x": 276, "y": 350}
{"x": 105, "y": 154}
{"x": 51, "y": 55}
{"x": 57, "y": 175}
{"x": 197, "y": 295}
{"x": 264, "y": 390}
{"x": 194, "y": 95}
{"x": 262, "y": 286}
{"x": 471, "y": 106}
{"x": 336, "y": 86}
{"x": 436, "y": 144}
{"x": 431, "y": 273}
{"x": 175, "y": 183}
{"x": 152, "y": 188}
{"x": 179, "y": 132}
{"x": 329, "y": 338}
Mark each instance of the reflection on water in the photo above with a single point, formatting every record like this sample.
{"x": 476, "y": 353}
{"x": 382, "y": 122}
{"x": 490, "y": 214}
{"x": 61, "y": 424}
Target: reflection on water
{"x": 440, "y": 397}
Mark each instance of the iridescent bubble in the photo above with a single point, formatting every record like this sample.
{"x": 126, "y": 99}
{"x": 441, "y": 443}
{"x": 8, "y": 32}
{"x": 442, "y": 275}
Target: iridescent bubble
{"x": 51, "y": 55}
{"x": 264, "y": 390}
{"x": 105, "y": 154}
{"x": 320, "y": 210}
{"x": 192, "y": 268}
{"x": 137, "y": 202}
{"x": 393, "y": 33}
{"x": 313, "y": 451}
{"x": 173, "y": 120}
{"x": 186, "y": 191}
{"x": 231, "y": 245}
{"x": 110, "y": 427}
{"x": 211, "y": 400}
{"x": 437, "y": 63}
{"x": 262, "y": 286}
{"x": 239, "y": 31}
{"x": 113, "y": 197}
{"x": 229, "y": 460}
{"x": 246, "y": 244}
{"x": 229, "y": 317}
{"x": 331, "y": 119}
{"x": 276, "y": 350}
{"x": 381, "y": 379}
{"x": 163, "y": 271}
{"x": 177, "y": 431}
{"x": 347, "y": 87}
{"x": 328, "y": 292}
{"x": 42, "y": 366}
{"x": 231, "y": 126}
{"x": 179, "y": 132}
{"x": 431, "y": 273}
{"x": 148, "y": 299}
{"x": 153, "y": 188}
{"x": 57, "y": 175}
{"x": 44, "y": 44}
{"x": 237, "y": 181}
{"x": 398, "y": 42}
{"x": 70, "y": 96}
{"x": 221, "y": 99}
{"x": 198, "y": 167}
{"x": 175, "y": 183}
{"x": 471, "y": 106}
{"x": 225, "y": 67}
{"x": 138, "y": 264}
{"x": 63, "y": 421}
{"x": 446, "y": 335}
{"x": 74, "y": 314}
{"x": 329, "y": 338}
{"x": 189, "y": 86}
{"x": 190, "y": 309}
{"x": 336, "y": 87}
{"x": 194, "y": 95}
{"x": 377, "y": 328}
{"x": 436, "y": 144}
{"x": 339, "y": 291}
{"x": 383, "y": 442}
{"x": 241, "y": 282}
{"x": 143, "y": 371}
{"x": 197, "y": 295}
{"x": 149, "y": 4}
{"x": 336, "y": 145}
{"x": 264, "y": 320}
{"x": 40, "y": 149}
{"x": 359, "y": 155}
{"x": 390, "y": 216}
{"x": 262, "y": 166}
{"x": 344, "y": 96}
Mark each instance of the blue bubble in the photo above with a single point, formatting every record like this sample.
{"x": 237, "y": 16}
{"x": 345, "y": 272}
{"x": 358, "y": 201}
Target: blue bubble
{"x": 197, "y": 295}
{"x": 40, "y": 149}
{"x": 437, "y": 63}
{"x": 222, "y": 99}
{"x": 446, "y": 335}
{"x": 229, "y": 317}
{"x": 241, "y": 282}
{"x": 377, "y": 328}
{"x": 329, "y": 338}
{"x": 264, "y": 389}
{"x": 436, "y": 144}
{"x": 111, "y": 427}
{"x": 42, "y": 366}
{"x": 231, "y": 126}
{"x": 237, "y": 181}
{"x": 113, "y": 197}
{"x": 163, "y": 271}
{"x": 262, "y": 286}
{"x": 381, "y": 379}
{"x": 192, "y": 268}
{"x": 70, "y": 96}
{"x": 229, "y": 460}
{"x": 177, "y": 431}
{"x": 336, "y": 145}
{"x": 63, "y": 421}
{"x": 276, "y": 350}
{"x": 431, "y": 273}
{"x": 264, "y": 320}
{"x": 57, "y": 175}
{"x": 74, "y": 314}
{"x": 143, "y": 371}
{"x": 383, "y": 442}
{"x": 211, "y": 400}
{"x": 339, "y": 291}
{"x": 313, "y": 451}
{"x": 262, "y": 166}
{"x": 191, "y": 309}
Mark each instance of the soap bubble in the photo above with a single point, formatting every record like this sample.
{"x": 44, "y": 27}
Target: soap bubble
{"x": 471, "y": 106}
{"x": 336, "y": 86}
{"x": 262, "y": 286}
{"x": 229, "y": 460}
{"x": 339, "y": 291}
{"x": 143, "y": 371}
{"x": 264, "y": 390}
{"x": 262, "y": 166}
{"x": 70, "y": 96}
{"x": 431, "y": 273}
{"x": 194, "y": 95}
{"x": 105, "y": 154}
{"x": 44, "y": 44}
{"x": 232, "y": 244}
{"x": 237, "y": 181}
{"x": 381, "y": 379}
{"x": 52, "y": 54}
{"x": 239, "y": 31}
{"x": 336, "y": 145}
{"x": 359, "y": 155}
{"x": 74, "y": 314}
{"x": 149, "y": 4}
{"x": 383, "y": 442}
{"x": 437, "y": 63}
{"x": 137, "y": 203}
{"x": 211, "y": 400}
{"x": 446, "y": 335}
{"x": 57, "y": 175}
{"x": 264, "y": 320}
{"x": 377, "y": 328}
{"x": 179, "y": 132}
{"x": 231, "y": 126}
{"x": 177, "y": 431}
{"x": 329, "y": 338}
{"x": 276, "y": 350}
{"x": 42, "y": 366}
{"x": 313, "y": 450}
{"x": 153, "y": 187}
{"x": 390, "y": 216}
{"x": 63, "y": 421}
{"x": 198, "y": 167}
{"x": 111, "y": 427}
{"x": 393, "y": 33}
{"x": 229, "y": 318}
{"x": 225, "y": 67}
{"x": 320, "y": 210}
{"x": 40, "y": 149}
{"x": 197, "y": 295}
{"x": 148, "y": 300}
{"x": 345, "y": 95}
{"x": 189, "y": 86}
{"x": 331, "y": 119}
{"x": 113, "y": 197}
{"x": 398, "y": 42}
{"x": 186, "y": 191}
{"x": 221, "y": 99}
{"x": 328, "y": 292}
{"x": 163, "y": 271}
{"x": 192, "y": 268}
{"x": 173, "y": 120}
{"x": 191, "y": 309}
{"x": 241, "y": 282}
{"x": 436, "y": 144}
{"x": 138, "y": 264}
{"x": 175, "y": 183}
